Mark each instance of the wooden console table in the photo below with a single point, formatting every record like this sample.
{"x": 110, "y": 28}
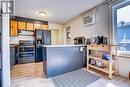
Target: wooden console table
{"x": 110, "y": 66}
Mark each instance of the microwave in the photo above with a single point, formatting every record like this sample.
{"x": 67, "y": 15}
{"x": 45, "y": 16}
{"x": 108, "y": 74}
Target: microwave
{"x": 79, "y": 40}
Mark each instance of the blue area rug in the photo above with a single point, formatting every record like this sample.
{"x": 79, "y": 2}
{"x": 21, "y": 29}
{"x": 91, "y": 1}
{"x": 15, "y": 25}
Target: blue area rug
{"x": 78, "y": 78}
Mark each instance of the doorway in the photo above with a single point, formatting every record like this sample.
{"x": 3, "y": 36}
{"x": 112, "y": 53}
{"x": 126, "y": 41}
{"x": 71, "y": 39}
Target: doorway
{"x": 54, "y": 36}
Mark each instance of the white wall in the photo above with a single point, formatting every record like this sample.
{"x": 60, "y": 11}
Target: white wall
{"x": 100, "y": 28}
{"x": 57, "y": 27}
{"x": 124, "y": 66}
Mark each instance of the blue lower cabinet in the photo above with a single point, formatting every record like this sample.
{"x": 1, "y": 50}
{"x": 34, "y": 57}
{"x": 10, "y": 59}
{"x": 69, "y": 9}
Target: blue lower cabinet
{"x": 60, "y": 60}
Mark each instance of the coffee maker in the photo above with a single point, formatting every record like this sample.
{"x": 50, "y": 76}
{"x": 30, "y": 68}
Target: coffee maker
{"x": 101, "y": 40}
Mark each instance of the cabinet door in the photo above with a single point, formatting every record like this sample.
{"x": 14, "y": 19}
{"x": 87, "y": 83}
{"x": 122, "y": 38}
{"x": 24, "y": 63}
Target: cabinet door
{"x": 30, "y": 26}
{"x": 38, "y": 54}
{"x": 13, "y": 28}
{"x": 37, "y": 26}
{"x": 21, "y": 25}
{"x": 44, "y": 27}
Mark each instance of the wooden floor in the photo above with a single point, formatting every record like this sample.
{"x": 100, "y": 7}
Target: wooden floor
{"x": 32, "y": 75}
{"x": 28, "y": 70}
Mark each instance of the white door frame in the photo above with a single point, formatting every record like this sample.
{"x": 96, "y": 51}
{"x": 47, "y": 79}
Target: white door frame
{"x": 5, "y": 50}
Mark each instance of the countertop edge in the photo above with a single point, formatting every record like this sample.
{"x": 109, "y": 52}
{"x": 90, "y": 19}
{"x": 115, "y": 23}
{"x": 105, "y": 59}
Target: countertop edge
{"x": 61, "y": 45}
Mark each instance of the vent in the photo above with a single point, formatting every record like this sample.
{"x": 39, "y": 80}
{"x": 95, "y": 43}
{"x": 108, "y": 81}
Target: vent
{"x": 89, "y": 20}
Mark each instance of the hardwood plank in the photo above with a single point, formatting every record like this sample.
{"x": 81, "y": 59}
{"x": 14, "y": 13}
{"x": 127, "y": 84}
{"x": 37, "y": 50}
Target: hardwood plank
{"x": 27, "y": 70}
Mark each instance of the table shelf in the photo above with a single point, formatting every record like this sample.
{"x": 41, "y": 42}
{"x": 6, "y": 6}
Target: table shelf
{"x": 91, "y": 55}
{"x": 105, "y": 70}
{"x": 100, "y": 59}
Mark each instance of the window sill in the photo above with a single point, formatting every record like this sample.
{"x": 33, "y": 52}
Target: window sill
{"x": 124, "y": 54}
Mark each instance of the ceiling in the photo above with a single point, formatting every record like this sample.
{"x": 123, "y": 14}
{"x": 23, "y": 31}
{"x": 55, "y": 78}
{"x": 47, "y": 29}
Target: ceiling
{"x": 59, "y": 11}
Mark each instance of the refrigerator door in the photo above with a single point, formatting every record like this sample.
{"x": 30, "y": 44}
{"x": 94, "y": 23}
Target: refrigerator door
{"x": 39, "y": 43}
{"x": 43, "y": 37}
{"x": 46, "y": 37}
{"x": 38, "y": 54}
{"x": 39, "y": 34}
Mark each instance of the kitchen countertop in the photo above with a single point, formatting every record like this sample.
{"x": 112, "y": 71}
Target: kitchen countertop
{"x": 61, "y": 45}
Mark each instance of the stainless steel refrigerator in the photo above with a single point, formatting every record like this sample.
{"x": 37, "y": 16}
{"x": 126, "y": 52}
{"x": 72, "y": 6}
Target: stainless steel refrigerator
{"x": 42, "y": 37}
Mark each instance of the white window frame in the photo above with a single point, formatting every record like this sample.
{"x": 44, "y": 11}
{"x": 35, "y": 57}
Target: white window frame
{"x": 116, "y": 6}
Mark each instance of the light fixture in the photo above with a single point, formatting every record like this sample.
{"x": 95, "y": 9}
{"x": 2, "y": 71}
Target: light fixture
{"x": 42, "y": 13}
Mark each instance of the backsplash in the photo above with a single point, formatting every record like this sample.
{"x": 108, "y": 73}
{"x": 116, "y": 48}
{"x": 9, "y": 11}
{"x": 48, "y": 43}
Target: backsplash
{"x": 15, "y": 40}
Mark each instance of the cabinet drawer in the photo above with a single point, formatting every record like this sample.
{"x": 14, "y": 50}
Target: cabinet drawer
{"x": 93, "y": 47}
{"x": 99, "y": 47}
{"x": 103, "y": 47}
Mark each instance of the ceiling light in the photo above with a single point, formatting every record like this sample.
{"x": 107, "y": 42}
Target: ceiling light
{"x": 42, "y": 13}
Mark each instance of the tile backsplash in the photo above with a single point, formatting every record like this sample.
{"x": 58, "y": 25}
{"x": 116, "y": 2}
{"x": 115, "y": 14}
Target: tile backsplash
{"x": 15, "y": 40}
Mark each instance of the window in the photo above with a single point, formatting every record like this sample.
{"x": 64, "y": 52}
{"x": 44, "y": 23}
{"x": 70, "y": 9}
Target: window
{"x": 68, "y": 35}
{"x": 122, "y": 27}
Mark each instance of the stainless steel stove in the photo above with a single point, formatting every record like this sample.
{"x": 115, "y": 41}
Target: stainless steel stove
{"x": 26, "y": 51}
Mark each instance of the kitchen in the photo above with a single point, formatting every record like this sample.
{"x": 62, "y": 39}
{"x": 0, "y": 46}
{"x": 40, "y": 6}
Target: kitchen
{"x": 27, "y": 37}
{"x": 51, "y": 47}
{"x": 27, "y": 45}
{"x": 21, "y": 29}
